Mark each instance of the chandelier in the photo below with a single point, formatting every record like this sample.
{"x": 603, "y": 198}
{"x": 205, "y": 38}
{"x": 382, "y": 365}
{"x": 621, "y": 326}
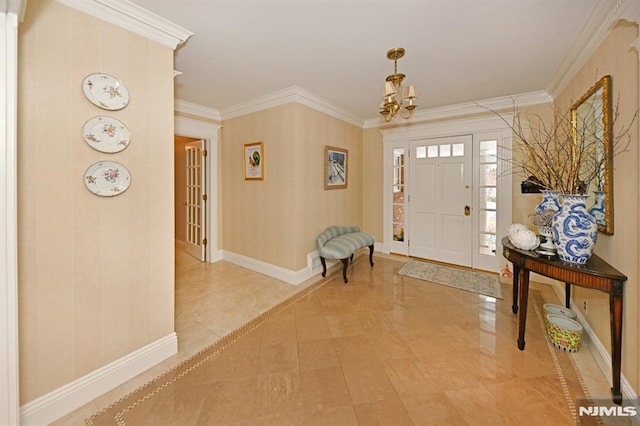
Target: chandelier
{"x": 395, "y": 100}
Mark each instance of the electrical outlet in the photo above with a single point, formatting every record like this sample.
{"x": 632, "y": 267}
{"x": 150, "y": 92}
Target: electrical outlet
{"x": 584, "y": 305}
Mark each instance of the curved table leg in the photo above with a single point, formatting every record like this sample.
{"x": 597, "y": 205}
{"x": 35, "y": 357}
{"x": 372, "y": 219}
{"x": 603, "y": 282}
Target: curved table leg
{"x": 615, "y": 307}
{"x": 516, "y": 273}
{"x": 371, "y": 254}
{"x": 524, "y": 296}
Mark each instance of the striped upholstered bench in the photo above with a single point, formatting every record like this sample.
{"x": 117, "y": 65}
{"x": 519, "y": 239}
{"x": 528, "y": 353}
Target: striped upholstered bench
{"x": 341, "y": 242}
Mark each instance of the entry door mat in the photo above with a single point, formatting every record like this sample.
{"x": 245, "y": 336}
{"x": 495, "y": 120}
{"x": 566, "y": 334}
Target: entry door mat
{"x": 464, "y": 279}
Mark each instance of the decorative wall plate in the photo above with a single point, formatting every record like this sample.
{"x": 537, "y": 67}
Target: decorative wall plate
{"x": 106, "y": 134}
{"x": 105, "y": 91}
{"x": 107, "y": 178}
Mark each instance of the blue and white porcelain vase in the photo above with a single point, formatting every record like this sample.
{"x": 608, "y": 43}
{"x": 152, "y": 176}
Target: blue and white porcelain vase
{"x": 549, "y": 201}
{"x": 575, "y": 231}
{"x": 597, "y": 210}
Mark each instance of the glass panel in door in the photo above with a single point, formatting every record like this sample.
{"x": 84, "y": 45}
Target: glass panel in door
{"x": 195, "y": 200}
{"x": 398, "y": 195}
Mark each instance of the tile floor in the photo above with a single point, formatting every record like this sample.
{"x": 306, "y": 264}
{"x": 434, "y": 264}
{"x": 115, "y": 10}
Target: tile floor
{"x": 384, "y": 349}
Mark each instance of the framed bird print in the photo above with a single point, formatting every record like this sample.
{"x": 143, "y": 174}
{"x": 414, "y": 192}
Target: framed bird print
{"x": 254, "y": 161}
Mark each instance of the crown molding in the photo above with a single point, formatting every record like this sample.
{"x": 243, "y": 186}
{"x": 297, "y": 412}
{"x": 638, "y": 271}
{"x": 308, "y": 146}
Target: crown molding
{"x": 602, "y": 20}
{"x": 298, "y": 95}
{"x": 469, "y": 108}
{"x": 286, "y": 96}
{"x": 448, "y": 127}
{"x": 14, "y": 7}
{"x": 187, "y": 107}
{"x": 632, "y": 14}
{"x": 134, "y": 18}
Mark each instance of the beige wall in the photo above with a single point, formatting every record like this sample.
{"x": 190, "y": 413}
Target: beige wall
{"x": 615, "y": 57}
{"x": 96, "y": 275}
{"x": 373, "y": 182}
{"x": 523, "y": 205}
{"x": 276, "y": 220}
{"x": 196, "y": 117}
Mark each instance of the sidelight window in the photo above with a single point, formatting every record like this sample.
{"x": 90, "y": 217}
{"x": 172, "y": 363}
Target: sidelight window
{"x": 488, "y": 197}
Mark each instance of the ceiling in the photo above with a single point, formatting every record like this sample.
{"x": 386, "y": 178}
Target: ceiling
{"x": 457, "y": 51}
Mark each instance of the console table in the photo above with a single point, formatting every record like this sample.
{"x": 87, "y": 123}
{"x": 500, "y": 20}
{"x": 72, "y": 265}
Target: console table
{"x": 595, "y": 274}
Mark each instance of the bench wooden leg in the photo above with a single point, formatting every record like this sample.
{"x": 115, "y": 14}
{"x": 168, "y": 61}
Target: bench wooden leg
{"x": 345, "y": 263}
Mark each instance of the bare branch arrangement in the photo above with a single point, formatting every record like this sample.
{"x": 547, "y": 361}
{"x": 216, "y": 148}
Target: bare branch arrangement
{"x": 557, "y": 156}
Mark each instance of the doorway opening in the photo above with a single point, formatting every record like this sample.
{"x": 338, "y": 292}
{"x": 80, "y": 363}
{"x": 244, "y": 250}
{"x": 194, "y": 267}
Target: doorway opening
{"x": 202, "y": 161}
{"x": 190, "y": 196}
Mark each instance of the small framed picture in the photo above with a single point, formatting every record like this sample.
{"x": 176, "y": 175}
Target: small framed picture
{"x": 254, "y": 161}
{"x": 336, "y": 167}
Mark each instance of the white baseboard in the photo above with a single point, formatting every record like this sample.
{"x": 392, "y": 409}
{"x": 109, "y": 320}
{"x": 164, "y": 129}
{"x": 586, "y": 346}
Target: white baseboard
{"x": 377, "y": 246}
{"x": 314, "y": 267}
{"x": 597, "y": 349}
{"x": 215, "y": 255}
{"x": 283, "y": 274}
{"x": 64, "y": 400}
{"x": 314, "y": 263}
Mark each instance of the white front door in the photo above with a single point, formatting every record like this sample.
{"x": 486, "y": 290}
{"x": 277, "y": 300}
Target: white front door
{"x": 440, "y": 201}
{"x": 195, "y": 200}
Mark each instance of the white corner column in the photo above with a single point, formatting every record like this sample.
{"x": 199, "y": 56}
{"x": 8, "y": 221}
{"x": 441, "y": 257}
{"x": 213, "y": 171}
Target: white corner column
{"x": 11, "y": 12}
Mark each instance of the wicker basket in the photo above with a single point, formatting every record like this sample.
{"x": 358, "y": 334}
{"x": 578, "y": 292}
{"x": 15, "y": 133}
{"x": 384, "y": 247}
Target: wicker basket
{"x": 564, "y": 333}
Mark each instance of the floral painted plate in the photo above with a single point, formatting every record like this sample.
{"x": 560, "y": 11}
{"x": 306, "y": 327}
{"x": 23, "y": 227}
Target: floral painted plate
{"x": 106, "y": 134}
{"x": 105, "y": 91}
{"x": 107, "y": 178}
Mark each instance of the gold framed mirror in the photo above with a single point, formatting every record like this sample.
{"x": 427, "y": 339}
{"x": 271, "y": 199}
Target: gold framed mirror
{"x": 592, "y": 135}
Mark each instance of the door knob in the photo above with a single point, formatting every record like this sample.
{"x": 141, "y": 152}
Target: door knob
{"x": 467, "y": 210}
